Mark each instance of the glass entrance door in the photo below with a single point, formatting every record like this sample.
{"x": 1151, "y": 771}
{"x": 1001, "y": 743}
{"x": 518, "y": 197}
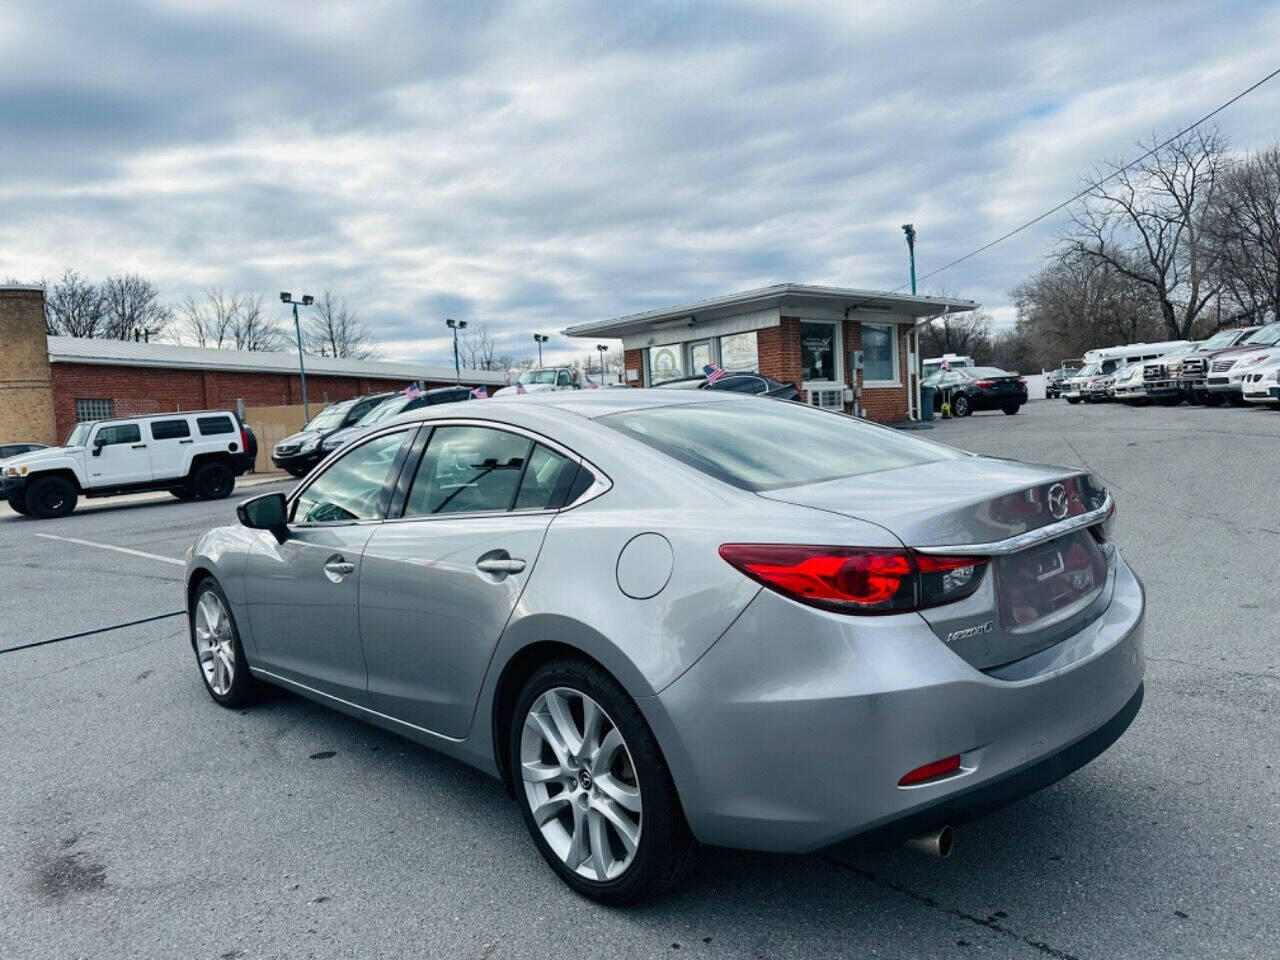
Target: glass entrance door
{"x": 699, "y": 355}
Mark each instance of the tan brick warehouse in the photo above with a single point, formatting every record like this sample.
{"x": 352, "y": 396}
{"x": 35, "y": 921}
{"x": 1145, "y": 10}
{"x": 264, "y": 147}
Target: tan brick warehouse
{"x": 26, "y": 383}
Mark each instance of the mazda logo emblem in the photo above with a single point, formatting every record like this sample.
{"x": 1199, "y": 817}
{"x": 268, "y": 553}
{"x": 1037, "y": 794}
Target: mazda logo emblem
{"x": 1058, "y": 501}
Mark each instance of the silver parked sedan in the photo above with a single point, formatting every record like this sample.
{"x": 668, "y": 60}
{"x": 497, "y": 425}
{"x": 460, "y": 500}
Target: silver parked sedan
{"x": 665, "y": 618}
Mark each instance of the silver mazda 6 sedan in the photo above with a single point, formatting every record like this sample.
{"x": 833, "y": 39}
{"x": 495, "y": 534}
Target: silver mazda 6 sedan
{"x": 666, "y": 618}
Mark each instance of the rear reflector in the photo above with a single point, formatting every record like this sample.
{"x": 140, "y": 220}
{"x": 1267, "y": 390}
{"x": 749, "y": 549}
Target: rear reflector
{"x": 931, "y": 771}
{"x": 857, "y": 579}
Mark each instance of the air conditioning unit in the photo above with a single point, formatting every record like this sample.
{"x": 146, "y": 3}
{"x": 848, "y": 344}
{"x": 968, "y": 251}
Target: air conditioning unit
{"x": 827, "y": 399}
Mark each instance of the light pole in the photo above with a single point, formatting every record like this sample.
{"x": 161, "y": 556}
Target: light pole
{"x": 307, "y": 300}
{"x": 603, "y": 348}
{"x": 541, "y": 338}
{"x": 910, "y": 230}
{"x": 455, "y": 326}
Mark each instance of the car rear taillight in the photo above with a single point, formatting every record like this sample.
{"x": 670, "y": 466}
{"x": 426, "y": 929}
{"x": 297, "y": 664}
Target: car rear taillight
{"x": 857, "y": 579}
{"x": 984, "y": 383}
{"x": 1102, "y": 531}
{"x": 1022, "y": 381}
{"x": 244, "y": 440}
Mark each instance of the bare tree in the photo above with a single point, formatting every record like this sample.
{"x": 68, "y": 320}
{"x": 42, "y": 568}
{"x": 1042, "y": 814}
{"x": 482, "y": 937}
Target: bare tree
{"x": 967, "y": 334}
{"x": 230, "y": 320}
{"x": 1245, "y": 223}
{"x": 478, "y": 349}
{"x": 132, "y": 308}
{"x": 1150, "y": 224}
{"x": 74, "y": 307}
{"x": 251, "y": 328}
{"x": 336, "y": 331}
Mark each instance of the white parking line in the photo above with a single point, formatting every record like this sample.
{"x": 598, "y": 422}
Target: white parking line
{"x": 108, "y": 546}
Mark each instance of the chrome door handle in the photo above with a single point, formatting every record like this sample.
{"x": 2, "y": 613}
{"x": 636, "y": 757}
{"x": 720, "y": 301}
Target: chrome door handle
{"x": 340, "y": 567}
{"x": 494, "y": 565}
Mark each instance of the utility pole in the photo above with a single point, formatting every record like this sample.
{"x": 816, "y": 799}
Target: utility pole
{"x": 602, "y": 347}
{"x": 541, "y": 338}
{"x": 455, "y": 326}
{"x": 910, "y": 230}
{"x": 307, "y": 300}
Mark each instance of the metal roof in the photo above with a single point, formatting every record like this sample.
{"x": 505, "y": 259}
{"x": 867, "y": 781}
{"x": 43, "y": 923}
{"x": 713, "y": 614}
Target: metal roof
{"x": 128, "y": 353}
{"x": 780, "y": 296}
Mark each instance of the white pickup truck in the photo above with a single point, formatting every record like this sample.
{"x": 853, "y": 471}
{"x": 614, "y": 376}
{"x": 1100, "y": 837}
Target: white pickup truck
{"x": 195, "y": 454}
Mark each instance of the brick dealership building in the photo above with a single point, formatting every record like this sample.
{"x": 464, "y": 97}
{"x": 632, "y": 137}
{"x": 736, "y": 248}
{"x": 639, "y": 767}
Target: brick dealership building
{"x": 840, "y": 346}
{"x": 48, "y": 383}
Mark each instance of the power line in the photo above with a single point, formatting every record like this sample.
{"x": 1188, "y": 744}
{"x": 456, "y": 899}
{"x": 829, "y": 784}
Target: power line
{"x": 1093, "y": 186}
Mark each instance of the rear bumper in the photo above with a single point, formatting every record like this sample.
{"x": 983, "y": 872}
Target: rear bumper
{"x": 792, "y": 732}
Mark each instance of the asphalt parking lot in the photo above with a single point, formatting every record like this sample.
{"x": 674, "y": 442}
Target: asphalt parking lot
{"x": 140, "y": 820}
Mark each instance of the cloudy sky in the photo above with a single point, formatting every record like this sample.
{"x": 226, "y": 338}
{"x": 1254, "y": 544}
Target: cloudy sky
{"x": 543, "y": 163}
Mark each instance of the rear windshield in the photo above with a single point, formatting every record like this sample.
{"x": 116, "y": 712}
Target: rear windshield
{"x": 978, "y": 373}
{"x": 764, "y": 445}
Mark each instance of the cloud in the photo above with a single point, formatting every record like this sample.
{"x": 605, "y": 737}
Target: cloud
{"x": 535, "y": 165}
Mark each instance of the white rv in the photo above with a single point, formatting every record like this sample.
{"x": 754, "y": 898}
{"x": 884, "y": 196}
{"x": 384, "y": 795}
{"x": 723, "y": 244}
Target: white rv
{"x": 934, "y": 364}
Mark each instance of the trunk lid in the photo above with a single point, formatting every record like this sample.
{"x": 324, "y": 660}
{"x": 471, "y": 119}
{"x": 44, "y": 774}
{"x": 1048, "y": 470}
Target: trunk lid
{"x": 1028, "y": 599}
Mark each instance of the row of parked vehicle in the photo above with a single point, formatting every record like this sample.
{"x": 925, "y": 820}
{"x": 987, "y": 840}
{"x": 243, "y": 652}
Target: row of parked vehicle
{"x": 1236, "y": 366}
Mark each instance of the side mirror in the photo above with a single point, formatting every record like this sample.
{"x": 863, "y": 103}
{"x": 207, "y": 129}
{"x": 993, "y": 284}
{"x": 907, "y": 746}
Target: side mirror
{"x": 267, "y": 512}
{"x": 98, "y": 443}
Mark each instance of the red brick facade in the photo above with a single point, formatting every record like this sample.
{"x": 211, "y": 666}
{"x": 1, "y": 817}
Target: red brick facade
{"x": 143, "y": 390}
{"x": 778, "y": 349}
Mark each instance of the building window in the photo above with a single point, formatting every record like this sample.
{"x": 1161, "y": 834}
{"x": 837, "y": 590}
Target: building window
{"x": 666, "y": 363}
{"x": 87, "y": 409}
{"x": 699, "y": 356}
{"x": 879, "y": 353}
{"x": 739, "y": 352}
{"x": 818, "y": 352}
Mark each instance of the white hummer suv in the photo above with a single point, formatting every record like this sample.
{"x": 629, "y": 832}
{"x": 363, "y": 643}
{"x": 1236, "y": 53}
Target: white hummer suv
{"x": 196, "y": 454}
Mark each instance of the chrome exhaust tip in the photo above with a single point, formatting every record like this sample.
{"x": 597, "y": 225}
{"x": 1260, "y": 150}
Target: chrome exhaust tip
{"x": 936, "y": 843}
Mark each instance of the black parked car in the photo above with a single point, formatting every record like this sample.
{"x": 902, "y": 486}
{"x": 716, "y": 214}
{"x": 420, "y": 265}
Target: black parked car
{"x": 739, "y": 382}
{"x": 8, "y": 450}
{"x": 302, "y": 451}
{"x": 977, "y": 388}
{"x": 1053, "y": 382}
{"x": 398, "y": 404}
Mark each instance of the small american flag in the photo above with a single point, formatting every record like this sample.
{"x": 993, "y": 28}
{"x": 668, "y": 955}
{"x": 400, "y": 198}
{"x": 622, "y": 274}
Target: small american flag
{"x": 412, "y": 391}
{"x": 714, "y": 372}
{"x": 946, "y": 364}
{"x": 480, "y": 393}
{"x": 520, "y": 389}
{"x": 592, "y": 385}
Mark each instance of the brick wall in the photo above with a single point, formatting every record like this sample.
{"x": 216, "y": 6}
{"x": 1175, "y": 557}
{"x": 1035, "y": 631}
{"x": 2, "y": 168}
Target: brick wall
{"x": 634, "y": 360}
{"x": 26, "y": 390}
{"x": 143, "y": 390}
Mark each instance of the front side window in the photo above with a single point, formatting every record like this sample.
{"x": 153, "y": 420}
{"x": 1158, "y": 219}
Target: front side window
{"x": 765, "y": 446}
{"x": 352, "y": 487}
{"x": 564, "y": 380}
{"x": 169, "y": 429}
{"x": 120, "y": 433}
{"x": 878, "y": 354}
{"x": 467, "y": 470}
{"x": 818, "y": 351}
{"x": 738, "y": 351}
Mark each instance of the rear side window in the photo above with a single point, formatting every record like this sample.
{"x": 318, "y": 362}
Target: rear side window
{"x": 169, "y": 429}
{"x": 122, "y": 433}
{"x": 740, "y": 385}
{"x": 765, "y": 446}
{"x": 468, "y": 470}
{"x": 214, "y": 425}
{"x": 546, "y": 481}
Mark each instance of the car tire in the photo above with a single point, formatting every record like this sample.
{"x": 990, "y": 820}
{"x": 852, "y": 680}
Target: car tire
{"x": 213, "y": 481}
{"x": 1011, "y": 408}
{"x": 1073, "y": 400}
{"x": 1211, "y": 400}
{"x": 960, "y": 406}
{"x": 1170, "y": 401}
{"x": 578, "y": 815}
{"x": 50, "y": 497}
{"x": 295, "y": 472}
{"x": 215, "y": 639}
{"x": 183, "y": 493}
{"x": 20, "y": 507}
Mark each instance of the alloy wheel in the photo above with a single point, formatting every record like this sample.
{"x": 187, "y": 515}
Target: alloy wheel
{"x": 215, "y": 644}
{"x": 580, "y": 784}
